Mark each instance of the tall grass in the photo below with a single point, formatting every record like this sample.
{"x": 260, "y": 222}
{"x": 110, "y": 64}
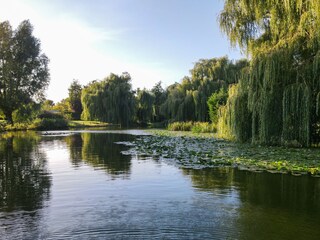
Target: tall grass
{"x": 196, "y": 127}
{"x": 180, "y": 126}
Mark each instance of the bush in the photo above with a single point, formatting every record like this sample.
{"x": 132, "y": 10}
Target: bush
{"x": 216, "y": 100}
{"x": 26, "y": 113}
{"x": 50, "y": 115}
{"x": 50, "y": 124}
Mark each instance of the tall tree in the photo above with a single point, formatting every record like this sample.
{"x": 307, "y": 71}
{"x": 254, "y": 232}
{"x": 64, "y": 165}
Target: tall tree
{"x": 75, "y": 99}
{"x": 145, "y": 102}
{"x": 110, "y": 100}
{"x": 24, "y": 70}
{"x": 159, "y": 98}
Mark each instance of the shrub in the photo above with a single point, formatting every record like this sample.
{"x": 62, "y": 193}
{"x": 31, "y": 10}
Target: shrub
{"x": 26, "y": 113}
{"x": 216, "y": 100}
{"x": 50, "y": 124}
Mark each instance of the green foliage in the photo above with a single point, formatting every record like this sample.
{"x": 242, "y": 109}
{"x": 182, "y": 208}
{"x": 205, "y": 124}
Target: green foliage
{"x": 26, "y": 113}
{"x": 145, "y": 103}
{"x": 75, "y": 99}
{"x": 187, "y": 101}
{"x": 49, "y": 124}
{"x": 110, "y": 100}
{"x": 216, "y": 100}
{"x": 159, "y": 98}
{"x": 47, "y": 105}
{"x": 296, "y": 114}
{"x": 50, "y": 114}
{"x": 278, "y": 94}
{"x": 24, "y": 70}
{"x": 63, "y": 108}
{"x": 234, "y": 121}
{"x": 265, "y": 25}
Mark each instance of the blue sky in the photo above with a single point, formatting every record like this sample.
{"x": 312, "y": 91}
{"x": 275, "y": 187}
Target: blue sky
{"x": 153, "y": 40}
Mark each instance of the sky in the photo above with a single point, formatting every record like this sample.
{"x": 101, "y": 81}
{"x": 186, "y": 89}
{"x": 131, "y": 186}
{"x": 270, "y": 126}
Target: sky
{"x": 153, "y": 40}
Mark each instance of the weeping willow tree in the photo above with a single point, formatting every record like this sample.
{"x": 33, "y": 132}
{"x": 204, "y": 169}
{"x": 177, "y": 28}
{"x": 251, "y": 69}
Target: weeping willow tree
{"x": 145, "y": 106}
{"x": 110, "y": 100}
{"x": 187, "y": 101}
{"x": 281, "y": 90}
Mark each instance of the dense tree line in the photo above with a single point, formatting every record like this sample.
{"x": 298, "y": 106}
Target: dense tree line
{"x": 113, "y": 100}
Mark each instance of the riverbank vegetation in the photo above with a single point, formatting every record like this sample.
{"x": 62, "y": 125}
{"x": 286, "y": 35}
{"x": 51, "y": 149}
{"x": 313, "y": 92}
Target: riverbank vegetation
{"x": 53, "y": 124}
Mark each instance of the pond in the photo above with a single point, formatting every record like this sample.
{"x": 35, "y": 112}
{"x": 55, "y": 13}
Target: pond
{"x": 79, "y": 185}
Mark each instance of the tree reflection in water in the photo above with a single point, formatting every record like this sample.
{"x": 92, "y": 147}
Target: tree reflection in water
{"x": 288, "y": 206}
{"x": 100, "y": 151}
{"x": 24, "y": 185}
{"x": 24, "y": 177}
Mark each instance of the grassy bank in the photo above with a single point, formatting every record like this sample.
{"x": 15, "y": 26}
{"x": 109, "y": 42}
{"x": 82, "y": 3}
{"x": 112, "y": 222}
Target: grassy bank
{"x": 87, "y": 124}
{"x": 51, "y": 124}
{"x": 203, "y": 150}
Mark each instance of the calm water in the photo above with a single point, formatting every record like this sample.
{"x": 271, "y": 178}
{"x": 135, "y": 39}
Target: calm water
{"x": 80, "y": 186}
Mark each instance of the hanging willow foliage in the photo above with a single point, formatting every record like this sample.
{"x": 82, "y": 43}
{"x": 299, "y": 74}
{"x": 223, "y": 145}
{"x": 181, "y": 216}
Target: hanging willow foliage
{"x": 281, "y": 88}
{"x": 110, "y": 100}
{"x": 187, "y": 101}
{"x": 234, "y": 119}
{"x": 296, "y": 114}
{"x": 226, "y": 119}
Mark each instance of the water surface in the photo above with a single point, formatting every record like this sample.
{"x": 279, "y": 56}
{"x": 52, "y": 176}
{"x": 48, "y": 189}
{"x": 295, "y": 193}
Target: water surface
{"x": 78, "y": 185}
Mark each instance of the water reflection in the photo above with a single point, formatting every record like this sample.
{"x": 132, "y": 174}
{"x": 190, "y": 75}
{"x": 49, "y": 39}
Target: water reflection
{"x": 75, "y": 144}
{"x": 212, "y": 179}
{"x": 25, "y": 181}
{"x": 271, "y": 190}
{"x": 271, "y": 206}
{"x": 157, "y": 201}
{"x": 280, "y": 191}
{"x": 24, "y": 185}
{"x": 100, "y": 151}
